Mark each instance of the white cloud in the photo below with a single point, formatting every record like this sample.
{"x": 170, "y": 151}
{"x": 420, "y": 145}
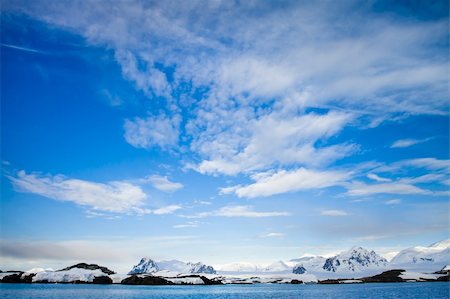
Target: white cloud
{"x": 189, "y": 224}
{"x": 152, "y": 131}
{"x": 261, "y": 77}
{"x": 333, "y": 213}
{"x": 22, "y": 48}
{"x": 276, "y": 138}
{"x": 237, "y": 211}
{"x": 393, "y": 201}
{"x": 272, "y": 235}
{"x": 407, "y": 142}
{"x": 289, "y": 181}
{"x": 115, "y": 196}
{"x": 358, "y": 189}
{"x": 149, "y": 80}
{"x": 246, "y": 211}
{"x": 167, "y": 210}
{"x": 377, "y": 178}
{"x": 163, "y": 183}
{"x": 427, "y": 163}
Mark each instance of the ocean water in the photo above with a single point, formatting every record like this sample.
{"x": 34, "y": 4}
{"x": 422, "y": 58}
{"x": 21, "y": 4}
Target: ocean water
{"x": 258, "y": 291}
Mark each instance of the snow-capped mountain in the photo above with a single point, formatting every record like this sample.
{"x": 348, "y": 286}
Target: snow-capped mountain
{"x": 200, "y": 268}
{"x": 431, "y": 257}
{"x": 174, "y": 266}
{"x": 310, "y": 263}
{"x": 277, "y": 267}
{"x": 357, "y": 259}
{"x": 240, "y": 267}
{"x": 146, "y": 265}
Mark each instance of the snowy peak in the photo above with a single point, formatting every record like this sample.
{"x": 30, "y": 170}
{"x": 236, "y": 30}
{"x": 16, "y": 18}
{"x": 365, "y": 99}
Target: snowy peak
{"x": 240, "y": 267}
{"x": 173, "y": 266}
{"x": 440, "y": 245}
{"x": 436, "y": 255}
{"x": 277, "y": 267}
{"x": 146, "y": 265}
{"x": 200, "y": 268}
{"x": 310, "y": 263}
{"x": 357, "y": 259}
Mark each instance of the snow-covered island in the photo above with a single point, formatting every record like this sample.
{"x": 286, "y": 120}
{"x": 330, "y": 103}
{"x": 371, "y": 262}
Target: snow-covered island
{"x": 356, "y": 265}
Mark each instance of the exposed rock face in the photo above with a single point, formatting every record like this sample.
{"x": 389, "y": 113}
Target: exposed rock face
{"x": 18, "y": 277}
{"x": 13, "y": 278}
{"x": 444, "y": 278}
{"x": 146, "y": 265}
{"x": 201, "y": 268}
{"x": 387, "y": 276}
{"x": 145, "y": 280}
{"x": 102, "y": 280}
{"x": 89, "y": 267}
{"x": 299, "y": 269}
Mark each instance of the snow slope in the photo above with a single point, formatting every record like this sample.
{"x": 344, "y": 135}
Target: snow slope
{"x": 75, "y": 274}
{"x": 423, "y": 258}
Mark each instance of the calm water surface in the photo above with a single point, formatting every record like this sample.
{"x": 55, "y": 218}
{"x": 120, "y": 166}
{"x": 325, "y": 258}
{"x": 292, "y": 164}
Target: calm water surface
{"x": 378, "y": 290}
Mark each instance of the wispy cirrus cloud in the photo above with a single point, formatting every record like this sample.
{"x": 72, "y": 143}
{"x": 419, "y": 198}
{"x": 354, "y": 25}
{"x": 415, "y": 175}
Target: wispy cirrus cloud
{"x": 377, "y": 178}
{"x": 362, "y": 189}
{"x": 272, "y": 235}
{"x": 152, "y": 131}
{"x": 167, "y": 209}
{"x": 259, "y": 95}
{"x": 163, "y": 183}
{"x": 190, "y": 224}
{"x": 401, "y": 143}
{"x": 21, "y": 48}
{"x": 395, "y": 201}
{"x": 334, "y": 213}
{"x": 115, "y": 196}
{"x": 267, "y": 184}
{"x": 237, "y": 211}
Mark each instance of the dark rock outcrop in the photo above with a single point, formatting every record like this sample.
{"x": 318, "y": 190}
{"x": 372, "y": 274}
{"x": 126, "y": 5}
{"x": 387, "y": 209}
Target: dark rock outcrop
{"x": 13, "y": 278}
{"x": 90, "y": 267}
{"x": 329, "y": 281}
{"x": 18, "y": 277}
{"x": 296, "y": 281}
{"x": 387, "y": 276}
{"x": 299, "y": 269}
{"x": 208, "y": 281}
{"x": 102, "y": 280}
{"x": 145, "y": 280}
{"x": 444, "y": 278}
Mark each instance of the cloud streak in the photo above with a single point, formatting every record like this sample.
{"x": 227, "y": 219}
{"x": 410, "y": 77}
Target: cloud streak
{"x": 237, "y": 211}
{"x": 334, "y": 213}
{"x": 401, "y": 143}
{"x": 268, "y": 184}
{"x": 164, "y": 184}
{"x": 115, "y": 196}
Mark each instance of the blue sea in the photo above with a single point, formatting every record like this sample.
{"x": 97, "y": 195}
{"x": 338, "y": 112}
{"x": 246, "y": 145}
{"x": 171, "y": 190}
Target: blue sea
{"x": 258, "y": 291}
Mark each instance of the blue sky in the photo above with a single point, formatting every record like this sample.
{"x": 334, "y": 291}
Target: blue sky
{"x": 221, "y": 131}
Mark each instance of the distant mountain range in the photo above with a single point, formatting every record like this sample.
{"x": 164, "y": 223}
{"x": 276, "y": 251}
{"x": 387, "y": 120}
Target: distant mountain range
{"x": 355, "y": 260}
{"x": 358, "y": 265}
